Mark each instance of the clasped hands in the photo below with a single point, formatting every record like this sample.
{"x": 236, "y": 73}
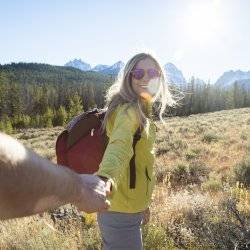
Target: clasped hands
{"x": 92, "y": 196}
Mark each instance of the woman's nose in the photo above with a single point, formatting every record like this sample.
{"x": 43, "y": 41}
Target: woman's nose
{"x": 146, "y": 78}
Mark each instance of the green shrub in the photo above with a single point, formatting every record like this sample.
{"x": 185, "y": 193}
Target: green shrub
{"x": 161, "y": 151}
{"x": 199, "y": 129}
{"x": 243, "y": 136}
{"x": 6, "y": 125}
{"x": 21, "y": 121}
{"x": 160, "y": 173}
{"x": 212, "y": 185}
{"x": 36, "y": 121}
{"x": 91, "y": 238}
{"x": 198, "y": 172}
{"x": 194, "y": 173}
{"x": 242, "y": 172}
{"x": 178, "y": 144}
{"x": 47, "y": 118}
{"x": 179, "y": 175}
{"x": 155, "y": 237}
{"x": 60, "y": 117}
{"x": 210, "y": 137}
{"x": 191, "y": 155}
{"x": 218, "y": 226}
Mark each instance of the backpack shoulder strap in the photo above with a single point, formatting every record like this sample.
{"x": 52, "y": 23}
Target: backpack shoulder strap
{"x": 82, "y": 124}
{"x": 137, "y": 137}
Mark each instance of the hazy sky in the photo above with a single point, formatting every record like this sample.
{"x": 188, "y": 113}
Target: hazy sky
{"x": 203, "y": 38}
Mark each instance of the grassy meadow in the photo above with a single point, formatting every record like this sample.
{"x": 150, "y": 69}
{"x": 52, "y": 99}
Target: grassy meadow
{"x": 201, "y": 200}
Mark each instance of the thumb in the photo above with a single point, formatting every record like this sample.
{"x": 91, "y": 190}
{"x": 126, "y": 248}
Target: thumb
{"x": 108, "y": 187}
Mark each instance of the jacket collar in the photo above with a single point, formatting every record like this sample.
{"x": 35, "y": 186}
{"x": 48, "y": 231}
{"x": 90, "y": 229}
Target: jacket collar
{"x": 147, "y": 106}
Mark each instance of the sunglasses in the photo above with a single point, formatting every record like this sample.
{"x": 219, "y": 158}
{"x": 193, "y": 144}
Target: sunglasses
{"x": 138, "y": 74}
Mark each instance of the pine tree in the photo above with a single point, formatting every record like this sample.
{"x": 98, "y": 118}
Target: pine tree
{"x": 75, "y": 106}
{"x": 61, "y": 116}
{"x": 47, "y": 118}
{"x": 6, "y": 125}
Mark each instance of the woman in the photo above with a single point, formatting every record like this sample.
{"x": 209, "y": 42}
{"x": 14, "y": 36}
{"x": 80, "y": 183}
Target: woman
{"x": 129, "y": 107}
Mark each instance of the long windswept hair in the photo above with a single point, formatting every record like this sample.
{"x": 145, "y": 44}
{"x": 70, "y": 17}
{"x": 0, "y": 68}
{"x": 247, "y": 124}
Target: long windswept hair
{"x": 122, "y": 92}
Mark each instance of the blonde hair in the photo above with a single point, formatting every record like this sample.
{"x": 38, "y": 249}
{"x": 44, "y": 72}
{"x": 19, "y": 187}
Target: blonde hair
{"x": 122, "y": 92}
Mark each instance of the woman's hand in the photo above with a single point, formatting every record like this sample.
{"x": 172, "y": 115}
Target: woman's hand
{"x": 108, "y": 184}
{"x": 91, "y": 194}
{"x": 146, "y": 216}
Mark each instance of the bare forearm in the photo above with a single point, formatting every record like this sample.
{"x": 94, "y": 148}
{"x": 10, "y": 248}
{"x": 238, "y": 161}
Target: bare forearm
{"x": 30, "y": 184}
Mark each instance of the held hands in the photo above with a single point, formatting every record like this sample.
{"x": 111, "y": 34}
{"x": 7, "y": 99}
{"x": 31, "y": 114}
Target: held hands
{"x": 108, "y": 188}
{"x": 93, "y": 194}
{"x": 108, "y": 185}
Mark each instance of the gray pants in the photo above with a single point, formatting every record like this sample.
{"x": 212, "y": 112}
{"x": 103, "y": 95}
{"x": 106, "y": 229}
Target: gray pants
{"x": 120, "y": 230}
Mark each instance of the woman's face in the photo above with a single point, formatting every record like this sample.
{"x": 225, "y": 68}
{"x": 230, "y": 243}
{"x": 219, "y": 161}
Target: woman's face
{"x": 148, "y": 85}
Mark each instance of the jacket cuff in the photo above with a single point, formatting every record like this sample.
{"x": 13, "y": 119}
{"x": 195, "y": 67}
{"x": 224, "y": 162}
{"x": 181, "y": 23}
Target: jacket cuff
{"x": 114, "y": 186}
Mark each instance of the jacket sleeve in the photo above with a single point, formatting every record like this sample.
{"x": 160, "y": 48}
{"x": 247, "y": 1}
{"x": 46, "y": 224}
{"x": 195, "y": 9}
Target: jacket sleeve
{"x": 119, "y": 150}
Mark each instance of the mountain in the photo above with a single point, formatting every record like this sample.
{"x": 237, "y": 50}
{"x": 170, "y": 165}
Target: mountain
{"x": 100, "y": 67}
{"x": 114, "y": 69}
{"x": 174, "y": 75}
{"x": 245, "y": 83}
{"x": 229, "y": 77}
{"x": 79, "y": 64}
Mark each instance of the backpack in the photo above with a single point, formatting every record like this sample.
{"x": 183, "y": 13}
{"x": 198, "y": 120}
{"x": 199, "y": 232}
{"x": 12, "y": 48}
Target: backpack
{"x": 81, "y": 145}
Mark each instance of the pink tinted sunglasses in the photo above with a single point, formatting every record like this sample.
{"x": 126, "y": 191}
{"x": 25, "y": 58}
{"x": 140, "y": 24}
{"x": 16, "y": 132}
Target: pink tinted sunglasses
{"x": 138, "y": 74}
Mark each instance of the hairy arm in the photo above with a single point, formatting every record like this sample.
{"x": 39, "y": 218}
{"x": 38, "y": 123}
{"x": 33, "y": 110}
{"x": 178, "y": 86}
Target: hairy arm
{"x": 30, "y": 184}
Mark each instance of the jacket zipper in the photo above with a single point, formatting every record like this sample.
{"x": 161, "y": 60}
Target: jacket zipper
{"x": 148, "y": 179}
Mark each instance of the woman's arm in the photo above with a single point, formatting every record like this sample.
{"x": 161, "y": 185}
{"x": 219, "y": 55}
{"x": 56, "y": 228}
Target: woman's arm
{"x": 30, "y": 184}
{"x": 119, "y": 150}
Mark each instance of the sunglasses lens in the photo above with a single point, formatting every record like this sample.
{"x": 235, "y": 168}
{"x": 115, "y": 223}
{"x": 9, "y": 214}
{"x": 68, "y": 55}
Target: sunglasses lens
{"x": 138, "y": 74}
{"x": 153, "y": 73}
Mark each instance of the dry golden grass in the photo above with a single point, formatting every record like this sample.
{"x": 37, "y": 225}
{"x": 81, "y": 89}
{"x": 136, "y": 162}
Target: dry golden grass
{"x": 192, "y": 213}
{"x": 189, "y": 137}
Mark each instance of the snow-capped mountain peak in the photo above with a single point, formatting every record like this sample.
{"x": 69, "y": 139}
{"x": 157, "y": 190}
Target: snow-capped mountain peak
{"x": 174, "y": 75}
{"x": 100, "y": 67}
{"x": 229, "y": 77}
{"x": 117, "y": 65}
{"x": 79, "y": 64}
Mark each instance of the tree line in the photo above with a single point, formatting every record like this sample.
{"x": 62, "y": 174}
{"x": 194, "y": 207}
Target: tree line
{"x": 41, "y": 95}
{"x": 200, "y": 97}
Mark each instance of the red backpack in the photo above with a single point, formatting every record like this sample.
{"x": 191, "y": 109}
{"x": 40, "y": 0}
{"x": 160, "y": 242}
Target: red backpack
{"x": 81, "y": 145}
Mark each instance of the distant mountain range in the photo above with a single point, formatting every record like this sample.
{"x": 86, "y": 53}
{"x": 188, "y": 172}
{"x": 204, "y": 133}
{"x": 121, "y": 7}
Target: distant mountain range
{"x": 174, "y": 74}
{"x": 101, "y": 68}
{"x": 78, "y": 64}
{"x": 230, "y": 77}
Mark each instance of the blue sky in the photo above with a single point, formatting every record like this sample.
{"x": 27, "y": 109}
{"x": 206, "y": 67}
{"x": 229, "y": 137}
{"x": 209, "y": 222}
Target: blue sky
{"x": 203, "y": 38}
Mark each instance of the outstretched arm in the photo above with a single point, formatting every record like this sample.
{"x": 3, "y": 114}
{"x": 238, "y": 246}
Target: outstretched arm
{"x": 30, "y": 184}
{"x": 119, "y": 149}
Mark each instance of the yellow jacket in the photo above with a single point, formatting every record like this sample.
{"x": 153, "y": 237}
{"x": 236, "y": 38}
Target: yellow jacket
{"x": 121, "y": 127}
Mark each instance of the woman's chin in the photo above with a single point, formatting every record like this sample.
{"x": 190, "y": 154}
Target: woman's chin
{"x": 147, "y": 96}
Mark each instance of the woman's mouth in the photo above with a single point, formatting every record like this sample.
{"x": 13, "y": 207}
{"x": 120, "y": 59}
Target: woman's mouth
{"x": 143, "y": 85}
